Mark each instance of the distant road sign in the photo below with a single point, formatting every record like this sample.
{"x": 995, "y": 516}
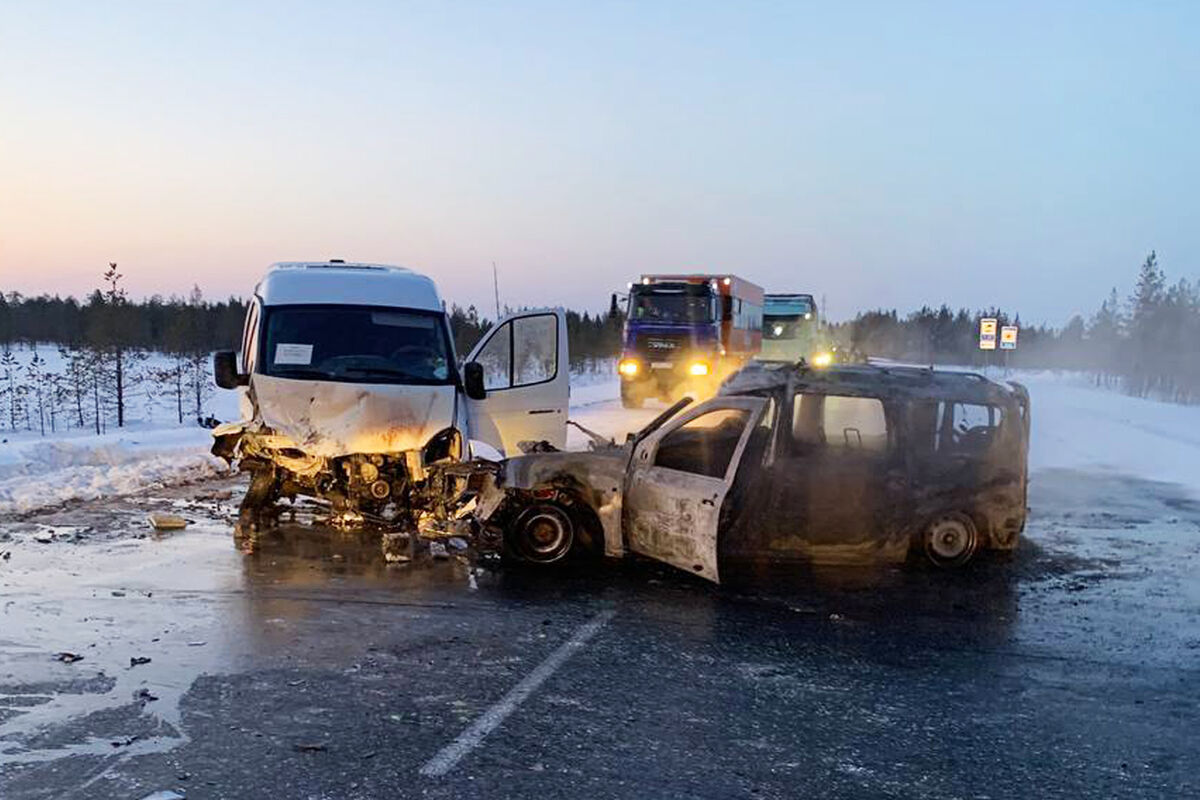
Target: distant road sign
{"x": 1008, "y": 337}
{"x": 987, "y": 333}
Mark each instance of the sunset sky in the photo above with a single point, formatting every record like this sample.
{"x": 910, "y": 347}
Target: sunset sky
{"x": 1021, "y": 154}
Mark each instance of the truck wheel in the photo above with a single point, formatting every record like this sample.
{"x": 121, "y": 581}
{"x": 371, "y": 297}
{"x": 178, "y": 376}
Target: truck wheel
{"x": 629, "y": 399}
{"x": 950, "y": 539}
{"x": 542, "y": 534}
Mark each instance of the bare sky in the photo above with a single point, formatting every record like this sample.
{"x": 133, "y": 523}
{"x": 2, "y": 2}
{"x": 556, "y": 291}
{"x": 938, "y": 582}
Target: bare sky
{"x": 894, "y": 154}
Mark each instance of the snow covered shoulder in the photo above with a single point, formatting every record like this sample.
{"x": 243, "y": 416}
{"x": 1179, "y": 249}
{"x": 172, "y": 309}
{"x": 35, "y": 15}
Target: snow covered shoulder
{"x": 40, "y": 473}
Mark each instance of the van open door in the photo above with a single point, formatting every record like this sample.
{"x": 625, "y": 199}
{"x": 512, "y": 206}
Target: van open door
{"x": 679, "y": 477}
{"x": 523, "y": 392}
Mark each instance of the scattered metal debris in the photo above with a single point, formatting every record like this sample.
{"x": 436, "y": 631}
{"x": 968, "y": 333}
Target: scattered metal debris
{"x": 166, "y": 522}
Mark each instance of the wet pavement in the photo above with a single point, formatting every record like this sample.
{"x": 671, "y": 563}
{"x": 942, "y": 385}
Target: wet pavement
{"x": 312, "y": 669}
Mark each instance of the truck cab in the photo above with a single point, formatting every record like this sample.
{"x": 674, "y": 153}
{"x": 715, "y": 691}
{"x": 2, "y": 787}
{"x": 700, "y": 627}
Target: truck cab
{"x": 350, "y": 387}
{"x": 791, "y": 329}
{"x": 685, "y": 333}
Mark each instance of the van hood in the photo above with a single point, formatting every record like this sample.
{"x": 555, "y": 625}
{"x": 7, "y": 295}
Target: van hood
{"x": 330, "y": 419}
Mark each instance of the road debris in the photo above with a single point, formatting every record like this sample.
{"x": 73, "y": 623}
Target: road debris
{"x": 164, "y": 794}
{"x": 68, "y": 658}
{"x": 166, "y": 522}
{"x": 144, "y": 694}
{"x": 309, "y": 747}
{"x": 135, "y": 661}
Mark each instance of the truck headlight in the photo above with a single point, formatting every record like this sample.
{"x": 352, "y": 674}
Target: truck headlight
{"x": 698, "y": 368}
{"x": 822, "y": 359}
{"x": 628, "y": 367}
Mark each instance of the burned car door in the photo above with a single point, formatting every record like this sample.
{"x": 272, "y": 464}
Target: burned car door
{"x": 837, "y": 485}
{"x": 679, "y": 477}
{"x": 525, "y": 379}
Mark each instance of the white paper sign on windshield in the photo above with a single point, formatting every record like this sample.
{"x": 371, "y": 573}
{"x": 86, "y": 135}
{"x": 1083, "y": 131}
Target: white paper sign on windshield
{"x": 299, "y": 354}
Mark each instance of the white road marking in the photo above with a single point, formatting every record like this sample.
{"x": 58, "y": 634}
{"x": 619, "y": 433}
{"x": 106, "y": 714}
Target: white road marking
{"x": 472, "y": 737}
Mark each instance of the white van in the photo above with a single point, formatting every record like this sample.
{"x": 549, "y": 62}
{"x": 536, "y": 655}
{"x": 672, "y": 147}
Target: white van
{"x": 351, "y": 388}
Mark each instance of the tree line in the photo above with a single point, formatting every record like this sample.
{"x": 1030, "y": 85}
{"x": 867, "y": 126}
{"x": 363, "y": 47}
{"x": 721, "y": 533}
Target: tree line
{"x": 1146, "y": 344}
{"x": 103, "y": 360}
{"x": 104, "y": 345}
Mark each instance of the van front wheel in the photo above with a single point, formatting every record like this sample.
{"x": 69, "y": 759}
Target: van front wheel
{"x": 950, "y": 540}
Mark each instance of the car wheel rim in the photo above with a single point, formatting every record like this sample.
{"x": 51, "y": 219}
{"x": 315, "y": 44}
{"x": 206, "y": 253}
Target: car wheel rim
{"x": 950, "y": 540}
{"x": 546, "y": 535}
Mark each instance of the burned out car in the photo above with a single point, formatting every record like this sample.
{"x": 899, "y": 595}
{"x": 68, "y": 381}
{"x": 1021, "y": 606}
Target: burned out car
{"x": 845, "y": 465}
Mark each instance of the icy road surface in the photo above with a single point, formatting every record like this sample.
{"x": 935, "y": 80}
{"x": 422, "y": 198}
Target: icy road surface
{"x": 311, "y": 669}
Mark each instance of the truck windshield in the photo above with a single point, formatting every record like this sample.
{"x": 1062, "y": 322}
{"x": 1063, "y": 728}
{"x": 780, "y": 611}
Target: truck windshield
{"x": 672, "y": 305}
{"x": 788, "y": 317}
{"x": 356, "y": 344}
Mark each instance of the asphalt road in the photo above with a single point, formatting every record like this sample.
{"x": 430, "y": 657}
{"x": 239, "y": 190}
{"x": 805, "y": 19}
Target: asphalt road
{"x": 310, "y": 669}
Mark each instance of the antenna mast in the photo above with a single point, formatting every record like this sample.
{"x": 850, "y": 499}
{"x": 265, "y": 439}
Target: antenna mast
{"x": 496, "y": 286}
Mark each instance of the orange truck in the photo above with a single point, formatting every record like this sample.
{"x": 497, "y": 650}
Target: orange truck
{"x": 685, "y": 333}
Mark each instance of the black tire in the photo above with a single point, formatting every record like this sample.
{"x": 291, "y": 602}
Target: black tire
{"x": 542, "y": 534}
{"x": 260, "y": 496}
{"x": 950, "y": 540}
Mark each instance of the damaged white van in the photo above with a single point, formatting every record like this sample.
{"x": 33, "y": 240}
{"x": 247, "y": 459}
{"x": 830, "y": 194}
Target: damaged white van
{"x": 351, "y": 388}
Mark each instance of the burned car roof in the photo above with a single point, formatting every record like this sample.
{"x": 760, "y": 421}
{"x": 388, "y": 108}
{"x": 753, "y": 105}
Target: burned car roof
{"x": 899, "y": 381}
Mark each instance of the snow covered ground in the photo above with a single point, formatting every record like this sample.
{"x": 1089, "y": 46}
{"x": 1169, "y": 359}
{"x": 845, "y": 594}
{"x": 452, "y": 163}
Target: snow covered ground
{"x": 1075, "y": 426}
{"x": 75, "y": 464}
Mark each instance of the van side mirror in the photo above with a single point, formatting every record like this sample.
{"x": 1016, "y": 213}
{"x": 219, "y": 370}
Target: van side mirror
{"x": 473, "y": 380}
{"x": 225, "y": 371}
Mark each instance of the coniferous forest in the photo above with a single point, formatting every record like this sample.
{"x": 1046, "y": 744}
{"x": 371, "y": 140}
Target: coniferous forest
{"x": 1142, "y": 342}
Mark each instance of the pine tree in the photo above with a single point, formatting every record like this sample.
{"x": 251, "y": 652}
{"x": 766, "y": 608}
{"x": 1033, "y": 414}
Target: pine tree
{"x": 11, "y": 367}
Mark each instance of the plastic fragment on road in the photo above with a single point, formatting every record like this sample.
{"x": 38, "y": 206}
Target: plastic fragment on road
{"x": 164, "y": 794}
{"x": 166, "y": 522}
{"x": 68, "y": 658}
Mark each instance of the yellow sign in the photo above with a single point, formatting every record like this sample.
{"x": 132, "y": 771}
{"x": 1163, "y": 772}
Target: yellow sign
{"x": 1008, "y": 337}
{"x": 987, "y": 333}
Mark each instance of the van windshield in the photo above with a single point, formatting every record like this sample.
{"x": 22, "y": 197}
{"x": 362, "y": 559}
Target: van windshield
{"x": 356, "y": 344}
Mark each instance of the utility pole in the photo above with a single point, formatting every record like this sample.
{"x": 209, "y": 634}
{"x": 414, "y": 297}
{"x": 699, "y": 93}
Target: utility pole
{"x": 496, "y": 286}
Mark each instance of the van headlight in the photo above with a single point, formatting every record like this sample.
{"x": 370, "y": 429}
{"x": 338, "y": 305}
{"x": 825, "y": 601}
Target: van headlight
{"x": 628, "y": 367}
{"x": 446, "y": 443}
{"x": 822, "y": 359}
{"x": 698, "y": 368}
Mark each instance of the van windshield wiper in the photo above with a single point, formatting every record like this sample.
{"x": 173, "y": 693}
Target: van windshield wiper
{"x": 302, "y": 374}
{"x": 391, "y": 373}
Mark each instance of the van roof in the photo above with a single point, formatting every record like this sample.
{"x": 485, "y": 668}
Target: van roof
{"x": 347, "y": 283}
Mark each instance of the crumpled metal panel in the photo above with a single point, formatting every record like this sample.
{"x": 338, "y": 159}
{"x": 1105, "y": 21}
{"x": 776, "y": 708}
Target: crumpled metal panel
{"x": 336, "y": 419}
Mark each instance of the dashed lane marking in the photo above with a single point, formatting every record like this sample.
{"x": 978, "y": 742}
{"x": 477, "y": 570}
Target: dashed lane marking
{"x": 472, "y": 737}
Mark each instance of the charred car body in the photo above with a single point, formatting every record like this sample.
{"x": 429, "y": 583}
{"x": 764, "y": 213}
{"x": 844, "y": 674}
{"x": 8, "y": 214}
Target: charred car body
{"x": 845, "y": 465}
{"x": 351, "y": 392}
